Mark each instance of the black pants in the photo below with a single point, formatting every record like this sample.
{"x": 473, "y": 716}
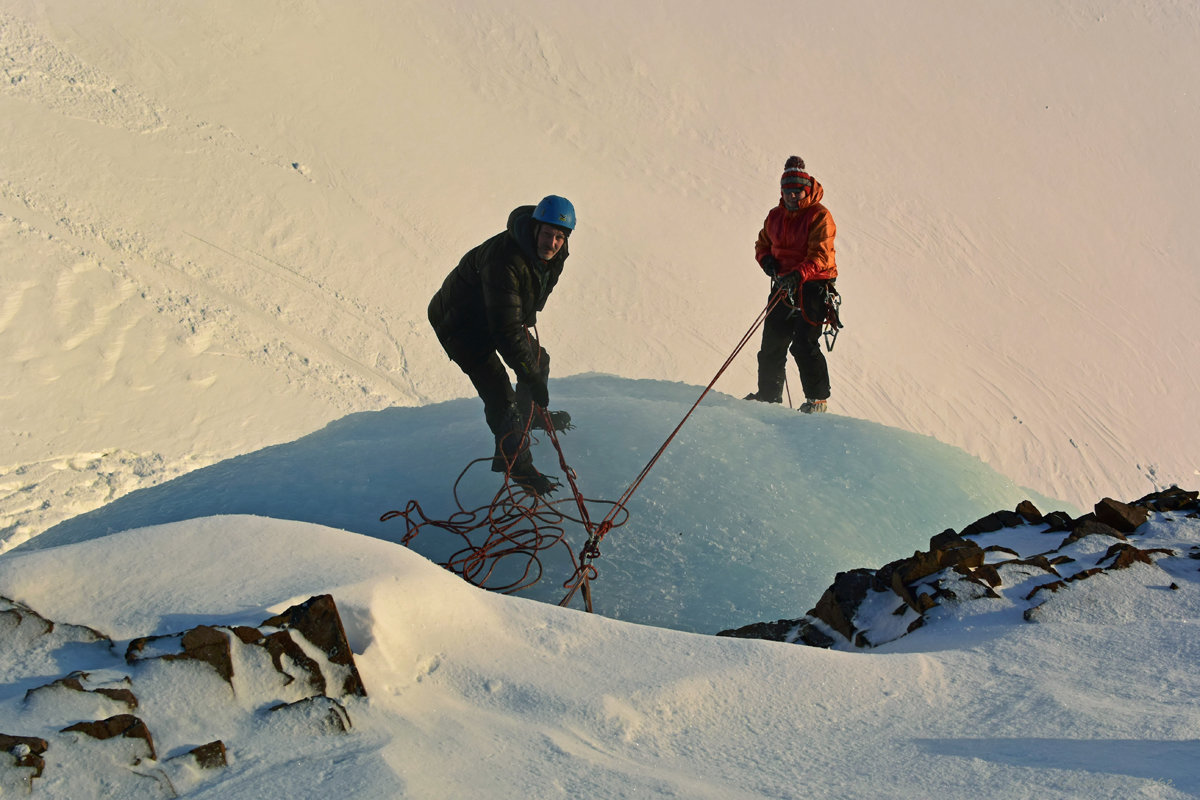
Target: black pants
{"x": 786, "y": 330}
{"x": 503, "y": 407}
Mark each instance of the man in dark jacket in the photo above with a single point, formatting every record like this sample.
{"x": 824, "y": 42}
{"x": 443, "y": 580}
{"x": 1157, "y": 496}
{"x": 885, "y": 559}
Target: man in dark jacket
{"x": 483, "y": 313}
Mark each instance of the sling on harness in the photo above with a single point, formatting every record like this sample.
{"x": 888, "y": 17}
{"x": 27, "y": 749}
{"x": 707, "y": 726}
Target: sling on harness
{"x": 833, "y": 318}
{"x": 831, "y": 303}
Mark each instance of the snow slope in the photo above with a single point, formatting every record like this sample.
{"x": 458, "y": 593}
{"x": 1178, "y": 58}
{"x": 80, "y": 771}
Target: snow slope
{"x": 220, "y": 224}
{"x": 473, "y": 694}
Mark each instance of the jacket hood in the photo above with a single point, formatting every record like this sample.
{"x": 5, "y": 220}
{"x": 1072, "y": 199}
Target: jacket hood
{"x": 811, "y": 199}
{"x": 521, "y": 225}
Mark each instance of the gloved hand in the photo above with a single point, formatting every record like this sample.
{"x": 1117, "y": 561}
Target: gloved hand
{"x": 789, "y": 283}
{"x": 770, "y": 265}
{"x": 539, "y": 391}
{"x": 534, "y": 379}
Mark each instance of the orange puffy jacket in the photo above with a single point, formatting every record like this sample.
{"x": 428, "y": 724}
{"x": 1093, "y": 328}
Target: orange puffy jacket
{"x": 801, "y": 240}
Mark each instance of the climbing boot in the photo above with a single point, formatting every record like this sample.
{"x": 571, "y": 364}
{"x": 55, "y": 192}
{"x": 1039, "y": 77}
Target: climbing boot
{"x": 813, "y": 407}
{"x": 533, "y": 481}
{"x": 512, "y": 452}
{"x": 561, "y": 421}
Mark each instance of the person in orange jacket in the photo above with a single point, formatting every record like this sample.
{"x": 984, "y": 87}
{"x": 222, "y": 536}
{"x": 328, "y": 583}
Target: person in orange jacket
{"x": 795, "y": 248}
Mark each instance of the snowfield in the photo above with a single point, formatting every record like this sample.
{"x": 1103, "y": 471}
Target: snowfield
{"x": 220, "y": 225}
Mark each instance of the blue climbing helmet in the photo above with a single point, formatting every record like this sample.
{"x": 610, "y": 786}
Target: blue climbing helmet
{"x": 556, "y": 211}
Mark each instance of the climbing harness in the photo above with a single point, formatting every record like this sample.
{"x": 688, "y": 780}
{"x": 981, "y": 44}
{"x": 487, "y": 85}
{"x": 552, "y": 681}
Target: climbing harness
{"x": 831, "y": 304}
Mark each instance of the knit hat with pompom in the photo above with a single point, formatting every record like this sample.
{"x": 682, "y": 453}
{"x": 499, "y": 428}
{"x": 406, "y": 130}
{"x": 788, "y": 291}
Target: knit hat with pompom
{"x": 794, "y": 175}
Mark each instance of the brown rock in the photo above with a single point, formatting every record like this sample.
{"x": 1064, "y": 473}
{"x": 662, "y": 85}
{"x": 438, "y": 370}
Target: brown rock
{"x": 1057, "y": 521}
{"x": 811, "y": 635}
{"x": 1053, "y": 586}
{"x": 1092, "y": 527}
{"x": 15, "y": 616}
{"x": 120, "y": 695}
{"x": 324, "y": 714}
{"x": 125, "y": 725}
{"x": 944, "y": 539}
{"x": 1041, "y": 562}
{"x": 997, "y": 520}
{"x": 247, "y": 635}
{"x": 1126, "y": 555}
{"x": 202, "y": 643}
{"x": 987, "y": 573}
{"x": 947, "y": 549}
{"x": 771, "y": 631}
{"x": 1172, "y": 499}
{"x": 279, "y": 644}
{"x": 989, "y": 524}
{"x": 1029, "y": 512}
{"x": 317, "y": 620}
{"x": 74, "y": 683}
{"x": 1124, "y": 518}
{"x": 209, "y": 756}
{"x": 27, "y": 750}
{"x": 970, "y": 577}
{"x": 839, "y": 602}
{"x": 894, "y": 579}
{"x": 210, "y": 645}
{"x": 18, "y": 614}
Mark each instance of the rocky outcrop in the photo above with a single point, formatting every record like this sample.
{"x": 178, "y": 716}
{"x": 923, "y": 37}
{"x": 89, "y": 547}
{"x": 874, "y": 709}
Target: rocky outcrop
{"x": 295, "y": 671}
{"x": 26, "y": 752}
{"x": 126, "y": 726}
{"x": 318, "y": 621}
{"x": 30, "y": 640}
{"x": 865, "y": 607}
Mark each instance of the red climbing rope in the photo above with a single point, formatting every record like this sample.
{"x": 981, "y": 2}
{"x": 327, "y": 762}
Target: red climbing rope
{"x": 521, "y": 524}
{"x": 591, "y": 550}
{"x": 518, "y": 525}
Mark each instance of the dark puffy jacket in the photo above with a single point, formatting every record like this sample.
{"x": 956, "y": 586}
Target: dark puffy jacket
{"x": 496, "y": 290}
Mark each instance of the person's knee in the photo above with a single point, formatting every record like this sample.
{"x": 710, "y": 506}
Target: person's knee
{"x": 806, "y": 350}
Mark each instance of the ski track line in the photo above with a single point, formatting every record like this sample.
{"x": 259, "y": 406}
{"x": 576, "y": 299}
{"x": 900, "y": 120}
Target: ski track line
{"x": 311, "y": 286}
{"x": 316, "y": 290}
{"x": 287, "y": 332}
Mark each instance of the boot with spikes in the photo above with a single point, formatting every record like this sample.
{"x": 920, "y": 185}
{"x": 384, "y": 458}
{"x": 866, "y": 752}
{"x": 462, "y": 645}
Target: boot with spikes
{"x": 512, "y": 457}
{"x": 561, "y": 421}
